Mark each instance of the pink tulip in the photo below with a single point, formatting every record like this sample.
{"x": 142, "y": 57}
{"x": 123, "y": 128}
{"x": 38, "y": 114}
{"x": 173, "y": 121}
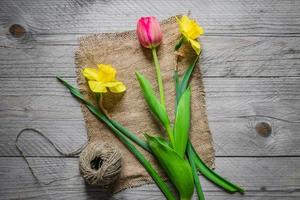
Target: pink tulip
{"x": 149, "y": 32}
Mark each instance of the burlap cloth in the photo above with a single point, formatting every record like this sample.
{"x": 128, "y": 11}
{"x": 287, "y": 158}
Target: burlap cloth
{"x": 123, "y": 51}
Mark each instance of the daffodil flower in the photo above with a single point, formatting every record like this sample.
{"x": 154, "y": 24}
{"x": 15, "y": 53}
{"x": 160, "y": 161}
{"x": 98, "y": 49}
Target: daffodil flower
{"x": 190, "y": 31}
{"x": 102, "y": 78}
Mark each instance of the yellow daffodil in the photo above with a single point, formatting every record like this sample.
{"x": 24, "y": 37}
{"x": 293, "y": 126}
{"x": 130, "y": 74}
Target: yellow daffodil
{"x": 190, "y": 31}
{"x": 103, "y": 78}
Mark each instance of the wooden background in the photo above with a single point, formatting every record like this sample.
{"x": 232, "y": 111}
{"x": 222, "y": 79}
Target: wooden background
{"x": 251, "y": 68}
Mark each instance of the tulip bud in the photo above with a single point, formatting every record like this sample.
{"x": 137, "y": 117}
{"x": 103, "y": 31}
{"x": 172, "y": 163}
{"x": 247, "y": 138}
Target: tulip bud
{"x": 149, "y": 32}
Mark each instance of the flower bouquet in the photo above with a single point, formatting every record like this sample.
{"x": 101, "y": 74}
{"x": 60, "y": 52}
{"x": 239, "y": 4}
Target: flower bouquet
{"x": 172, "y": 148}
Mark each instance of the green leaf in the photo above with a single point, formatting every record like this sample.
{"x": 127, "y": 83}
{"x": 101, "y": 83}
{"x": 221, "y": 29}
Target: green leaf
{"x": 182, "y": 123}
{"x": 214, "y": 177}
{"x": 177, "y": 168}
{"x": 154, "y": 104}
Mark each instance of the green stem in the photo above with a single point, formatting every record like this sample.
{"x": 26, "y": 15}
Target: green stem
{"x": 170, "y": 134}
{"x": 157, "y": 179}
{"x": 179, "y": 43}
{"x": 158, "y": 76}
{"x": 177, "y": 87}
{"x": 161, "y": 92}
{"x": 99, "y": 103}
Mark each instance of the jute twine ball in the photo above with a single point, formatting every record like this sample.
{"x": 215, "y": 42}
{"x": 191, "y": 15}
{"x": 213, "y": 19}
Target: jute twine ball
{"x": 100, "y": 164}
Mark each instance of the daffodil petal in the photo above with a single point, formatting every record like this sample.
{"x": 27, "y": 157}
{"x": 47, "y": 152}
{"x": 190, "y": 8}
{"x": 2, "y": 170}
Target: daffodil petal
{"x": 184, "y": 23}
{"x": 111, "y": 84}
{"x": 194, "y": 30}
{"x": 91, "y": 73}
{"x": 196, "y": 46}
{"x": 120, "y": 87}
{"x": 97, "y": 87}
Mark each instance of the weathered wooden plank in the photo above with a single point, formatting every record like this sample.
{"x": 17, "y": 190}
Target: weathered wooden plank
{"x": 217, "y": 17}
{"x": 263, "y": 178}
{"x": 222, "y": 57}
{"x": 235, "y": 106}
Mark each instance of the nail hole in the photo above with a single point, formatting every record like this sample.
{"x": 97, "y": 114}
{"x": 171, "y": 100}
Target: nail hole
{"x": 17, "y": 30}
{"x": 96, "y": 163}
{"x": 263, "y": 129}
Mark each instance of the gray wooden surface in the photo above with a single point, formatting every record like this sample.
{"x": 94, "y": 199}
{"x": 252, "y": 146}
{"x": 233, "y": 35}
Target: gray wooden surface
{"x": 251, "y": 70}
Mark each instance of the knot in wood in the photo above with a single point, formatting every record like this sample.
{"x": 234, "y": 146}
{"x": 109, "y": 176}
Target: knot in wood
{"x": 263, "y": 129}
{"x": 17, "y": 31}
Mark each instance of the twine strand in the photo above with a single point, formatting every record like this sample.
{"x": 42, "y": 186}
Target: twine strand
{"x": 99, "y": 162}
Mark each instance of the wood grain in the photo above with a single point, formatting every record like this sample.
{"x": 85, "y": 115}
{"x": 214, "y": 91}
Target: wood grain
{"x": 222, "y": 57}
{"x": 273, "y": 178}
{"x": 216, "y": 16}
{"x": 235, "y": 106}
